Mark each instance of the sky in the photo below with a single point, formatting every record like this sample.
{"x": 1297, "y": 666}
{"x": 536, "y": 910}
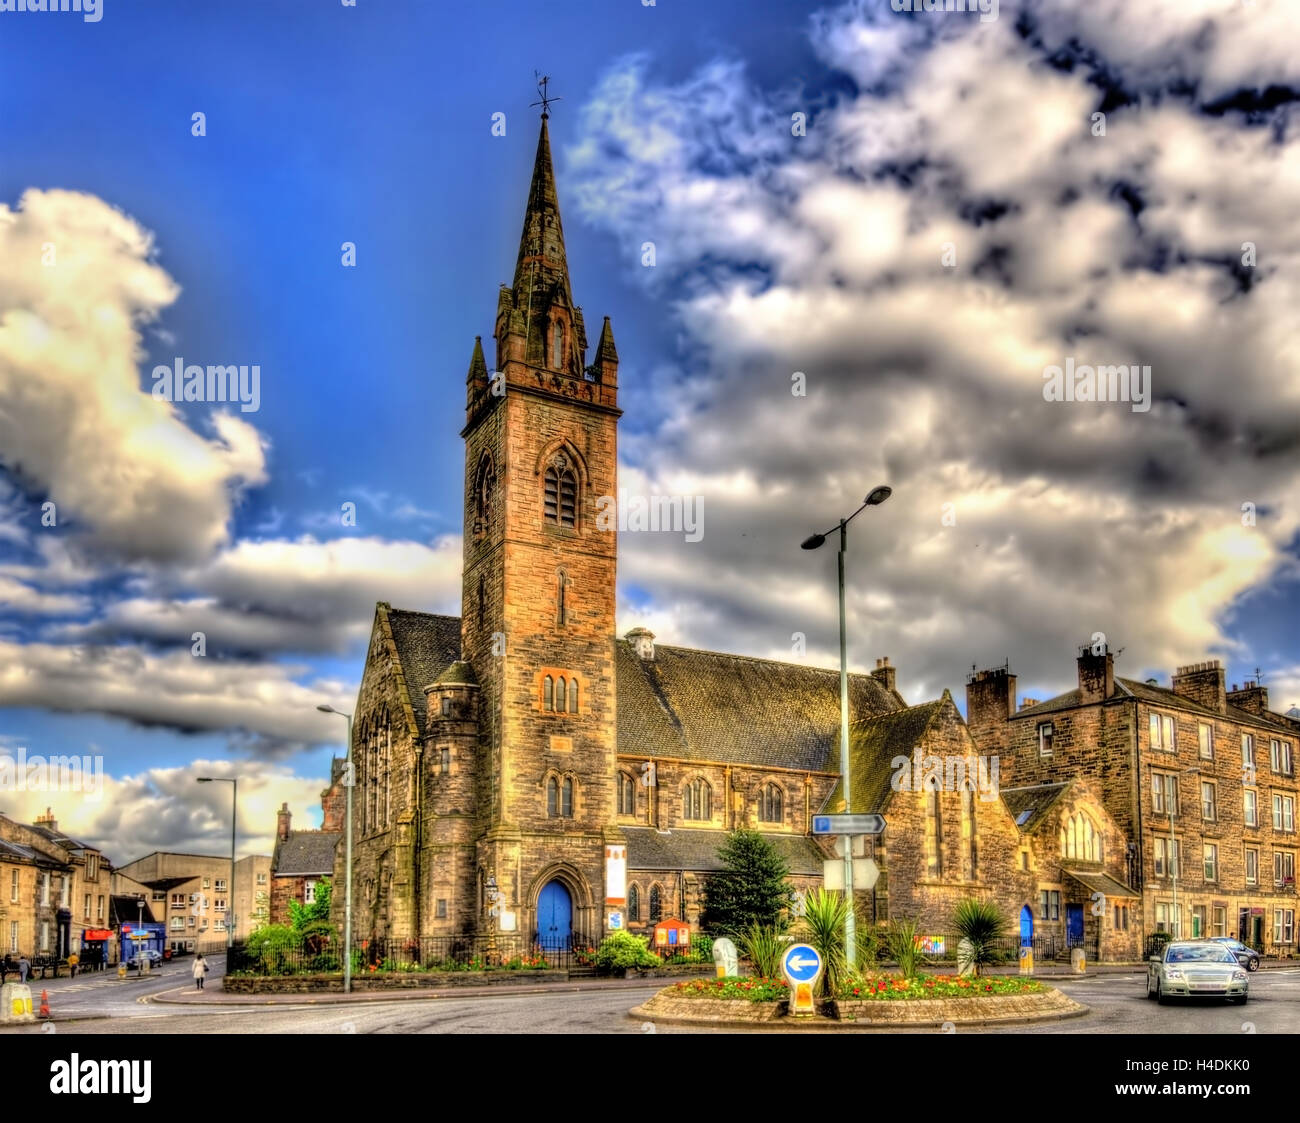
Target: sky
{"x": 870, "y": 233}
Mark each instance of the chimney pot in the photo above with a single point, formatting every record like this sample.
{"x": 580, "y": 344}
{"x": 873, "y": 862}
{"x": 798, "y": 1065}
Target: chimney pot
{"x": 643, "y": 643}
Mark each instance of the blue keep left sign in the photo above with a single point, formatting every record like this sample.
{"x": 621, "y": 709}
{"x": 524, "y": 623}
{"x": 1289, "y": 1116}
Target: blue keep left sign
{"x": 801, "y": 963}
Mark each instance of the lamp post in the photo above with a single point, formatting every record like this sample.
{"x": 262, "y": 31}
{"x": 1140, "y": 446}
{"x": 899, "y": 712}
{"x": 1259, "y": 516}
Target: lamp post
{"x": 234, "y": 805}
{"x": 876, "y": 497}
{"x": 347, "y": 854}
{"x": 493, "y": 895}
{"x": 1176, "y": 856}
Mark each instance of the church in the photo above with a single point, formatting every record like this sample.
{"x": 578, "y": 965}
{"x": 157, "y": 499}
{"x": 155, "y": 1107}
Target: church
{"x": 524, "y": 744}
{"x": 524, "y": 755}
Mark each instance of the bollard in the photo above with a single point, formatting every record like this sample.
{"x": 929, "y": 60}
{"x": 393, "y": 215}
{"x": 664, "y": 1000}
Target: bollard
{"x": 45, "y": 1004}
{"x": 16, "y": 1003}
{"x": 1078, "y": 961}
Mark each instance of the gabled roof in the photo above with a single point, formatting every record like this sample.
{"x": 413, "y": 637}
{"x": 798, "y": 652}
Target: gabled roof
{"x": 1099, "y": 881}
{"x": 705, "y": 705}
{"x": 697, "y": 850}
{"x": 305, "y": 853}
{"x": 426, "y": 646}
{"x": 1028, "y": 805}
{"x": 874, "y": 743}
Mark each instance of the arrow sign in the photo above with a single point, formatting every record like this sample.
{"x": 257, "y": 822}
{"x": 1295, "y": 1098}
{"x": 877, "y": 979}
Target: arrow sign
{"x": 801, "y": 964}
{"x": 848, "y": 824}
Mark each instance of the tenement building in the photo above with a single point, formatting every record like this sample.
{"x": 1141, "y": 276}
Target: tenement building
{"x": 1199, "y": 781}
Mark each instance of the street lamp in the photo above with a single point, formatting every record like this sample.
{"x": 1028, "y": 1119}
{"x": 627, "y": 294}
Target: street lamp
{"x": 493, "y": 895}
{"x": 1177, "y": 855}
{"x": 234, "y": 804}
{"x": 347, "y": 854}
{"x": 876, "y": 497}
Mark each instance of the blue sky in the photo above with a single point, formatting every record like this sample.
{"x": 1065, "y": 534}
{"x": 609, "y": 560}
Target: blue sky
{"x": 776, "y": 252}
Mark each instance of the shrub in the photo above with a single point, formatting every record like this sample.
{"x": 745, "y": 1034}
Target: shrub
{"x": 982, "y": 924}
{"x": 621, "y": 950}
{"x": 764, "y": 947}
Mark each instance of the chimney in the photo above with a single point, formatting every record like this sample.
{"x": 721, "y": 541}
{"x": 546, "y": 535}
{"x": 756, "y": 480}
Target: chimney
{"x": 990, "y": 698}
{"x": 47, "y": 820}
{"x": 1096, "y": 675}
{"x": 1026, "y": 703}
{"x": 1252, "y": 697}
{"x": 1205, "y": 683}
{"x": 282, "y": 819}
{"x": 884, "y": 674}
{"x": 643, "y": 643}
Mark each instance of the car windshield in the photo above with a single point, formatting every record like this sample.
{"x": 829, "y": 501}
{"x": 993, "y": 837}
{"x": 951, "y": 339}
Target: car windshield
{"x": 1204, "y": 953}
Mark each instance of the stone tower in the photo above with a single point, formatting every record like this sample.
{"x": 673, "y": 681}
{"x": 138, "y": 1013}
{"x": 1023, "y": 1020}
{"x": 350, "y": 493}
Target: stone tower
{"x": 538, "y": 584}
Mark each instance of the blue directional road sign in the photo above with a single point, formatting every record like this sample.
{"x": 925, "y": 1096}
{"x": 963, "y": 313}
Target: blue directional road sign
{"x": 801, "y": 963}
{"x": 848, "y": 824}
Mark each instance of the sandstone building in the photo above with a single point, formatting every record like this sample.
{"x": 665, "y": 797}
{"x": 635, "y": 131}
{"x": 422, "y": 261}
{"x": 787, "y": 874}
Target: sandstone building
{"x": 1199, "y": 780}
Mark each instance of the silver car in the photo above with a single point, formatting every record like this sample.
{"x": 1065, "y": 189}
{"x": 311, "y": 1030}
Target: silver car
{"x": 1196, "y": 970}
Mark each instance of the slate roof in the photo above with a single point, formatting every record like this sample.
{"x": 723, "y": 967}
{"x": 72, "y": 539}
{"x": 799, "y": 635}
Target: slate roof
{"x": 426, "y": 646}
{"x": 57, "y": 837}
{"x": 1156, "y": 696}
{"x": 1036, "y": 800}
{"x": 685, "y": 703}
{"x": 122, "y": 908}
{"x": 26, "y": 853}
{"x": 697, "y": 850}
{"x": 1100, "y": 882}
{"x": 304, "y": 853}
{"x": 875, "y": 742}
{"x": 705, "y": 705}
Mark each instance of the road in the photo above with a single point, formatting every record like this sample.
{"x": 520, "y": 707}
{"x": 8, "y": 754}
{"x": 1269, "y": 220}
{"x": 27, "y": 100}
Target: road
{"x": 1117, "y": 1000}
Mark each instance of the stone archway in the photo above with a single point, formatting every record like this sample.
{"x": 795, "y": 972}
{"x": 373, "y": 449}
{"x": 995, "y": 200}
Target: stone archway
{"x": 543, "y": 892}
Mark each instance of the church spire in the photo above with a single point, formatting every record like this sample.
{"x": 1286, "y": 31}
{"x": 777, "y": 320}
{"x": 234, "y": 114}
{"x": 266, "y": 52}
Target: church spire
{"x": 541, "y": 262}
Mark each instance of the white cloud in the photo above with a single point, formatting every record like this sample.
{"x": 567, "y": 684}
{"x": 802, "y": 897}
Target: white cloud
{"x": 77, "y": 284}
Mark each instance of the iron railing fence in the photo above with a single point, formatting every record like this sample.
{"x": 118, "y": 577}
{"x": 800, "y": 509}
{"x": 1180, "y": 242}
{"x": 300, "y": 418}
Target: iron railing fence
{"x": 427, "y": 953}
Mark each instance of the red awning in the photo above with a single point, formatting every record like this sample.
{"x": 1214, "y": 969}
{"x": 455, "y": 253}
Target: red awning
{"x": 96, "y": 934}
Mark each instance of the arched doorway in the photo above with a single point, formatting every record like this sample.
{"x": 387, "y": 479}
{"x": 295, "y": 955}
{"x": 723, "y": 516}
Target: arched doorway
{"x": 1026, "y": 926}
{"x": 554, "y": 916}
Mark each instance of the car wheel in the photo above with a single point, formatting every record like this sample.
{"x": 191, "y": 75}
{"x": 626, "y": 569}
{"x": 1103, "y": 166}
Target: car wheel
{"x": 1161, "y": 997}
{"x": 1239, "y": 1000}
{"x": 1151, "y": 994}
{"x": 1253, "y": 964}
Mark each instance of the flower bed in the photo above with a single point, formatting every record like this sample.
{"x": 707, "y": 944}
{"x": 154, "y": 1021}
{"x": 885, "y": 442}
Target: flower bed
{"x": 894, "y": 989}
{"x": 732, "y": 989}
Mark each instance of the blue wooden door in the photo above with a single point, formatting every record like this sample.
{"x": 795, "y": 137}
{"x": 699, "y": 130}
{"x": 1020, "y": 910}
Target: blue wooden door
{"x": 1074, "y": 925}
{"x": 554, "y": 916}
{"x": 1026, "y": 926}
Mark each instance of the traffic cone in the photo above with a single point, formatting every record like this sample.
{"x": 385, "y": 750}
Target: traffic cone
{"x": 45, "y": 1004}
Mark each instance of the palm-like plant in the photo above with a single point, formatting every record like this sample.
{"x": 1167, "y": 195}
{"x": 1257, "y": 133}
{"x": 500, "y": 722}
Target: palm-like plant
{"x": 901, "y": 937}
{"x": 763, "y": 945}
{"x": 981, "y": 924}
{"x": 822, "y": 926}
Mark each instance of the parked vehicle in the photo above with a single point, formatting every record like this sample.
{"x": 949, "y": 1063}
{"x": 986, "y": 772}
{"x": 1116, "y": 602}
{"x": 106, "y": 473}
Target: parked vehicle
{"x": 1246, "y": 955}
{"x": 1196, "y": 969}
{"x": 154, "y": 957}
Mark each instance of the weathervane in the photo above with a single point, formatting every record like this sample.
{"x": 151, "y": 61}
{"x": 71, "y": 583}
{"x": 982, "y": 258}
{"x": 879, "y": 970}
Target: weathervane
{"x": 543, "y": 80}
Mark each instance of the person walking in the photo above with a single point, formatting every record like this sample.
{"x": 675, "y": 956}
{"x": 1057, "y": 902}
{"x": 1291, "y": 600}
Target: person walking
{"x": 24, "y": 968}
{"x": 200, "y": 969}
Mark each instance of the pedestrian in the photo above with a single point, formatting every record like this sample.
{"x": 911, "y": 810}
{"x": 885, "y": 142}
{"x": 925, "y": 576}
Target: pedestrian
{"x": 200, "y": 969}
{"x": 73, "y": 960}
{"x": 24, "y": 968}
